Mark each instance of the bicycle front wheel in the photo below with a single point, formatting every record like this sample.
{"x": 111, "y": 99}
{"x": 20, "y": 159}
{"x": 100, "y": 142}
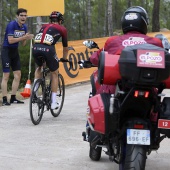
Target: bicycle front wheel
{"x": 60, "y": 96}
{"x": 36, "y": 104}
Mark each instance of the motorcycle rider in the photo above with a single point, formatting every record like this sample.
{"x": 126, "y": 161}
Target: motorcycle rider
{"x": 135, "y": 23}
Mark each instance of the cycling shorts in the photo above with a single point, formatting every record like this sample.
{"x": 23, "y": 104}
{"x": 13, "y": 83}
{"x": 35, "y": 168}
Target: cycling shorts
{"x": 49, "y": 55}
{"x": 10, "y": 58}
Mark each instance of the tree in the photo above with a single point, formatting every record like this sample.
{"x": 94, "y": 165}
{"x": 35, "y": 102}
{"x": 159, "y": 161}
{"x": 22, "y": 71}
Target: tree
{"x": 155, "y": 16}
{"x": 89, "y": 18}
{"x": 129, "y": 3}
{"x": 110, "y": 17}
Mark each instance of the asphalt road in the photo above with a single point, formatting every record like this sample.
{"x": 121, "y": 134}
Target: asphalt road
{"x": 56, "y": 143}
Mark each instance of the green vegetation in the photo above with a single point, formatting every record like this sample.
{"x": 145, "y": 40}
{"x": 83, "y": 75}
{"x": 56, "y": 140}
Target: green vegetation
{"x": 82, "y": 22}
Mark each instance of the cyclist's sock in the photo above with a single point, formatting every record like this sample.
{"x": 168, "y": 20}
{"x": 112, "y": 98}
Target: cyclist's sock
{"x": 54, "y": 102}
{"x": 53, "y": 97}
{"x": 54, "y": 105}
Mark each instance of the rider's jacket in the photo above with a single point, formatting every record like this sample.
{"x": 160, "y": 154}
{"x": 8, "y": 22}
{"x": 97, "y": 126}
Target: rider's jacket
{"x": 50, "y": 33}
{"x": 115, "y": 44}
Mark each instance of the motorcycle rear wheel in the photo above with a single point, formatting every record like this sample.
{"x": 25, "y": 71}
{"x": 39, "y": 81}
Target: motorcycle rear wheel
{"x": 134, "y": 158}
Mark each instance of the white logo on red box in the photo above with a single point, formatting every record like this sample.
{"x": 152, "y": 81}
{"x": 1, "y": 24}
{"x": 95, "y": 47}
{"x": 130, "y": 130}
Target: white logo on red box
{"x": 150, "y": 58}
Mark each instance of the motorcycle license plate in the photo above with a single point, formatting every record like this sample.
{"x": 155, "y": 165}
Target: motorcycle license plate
{"x": 138, "y": 136}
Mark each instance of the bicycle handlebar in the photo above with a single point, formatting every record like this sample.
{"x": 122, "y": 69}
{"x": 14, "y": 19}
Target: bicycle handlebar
{"x": 68, "y": 61}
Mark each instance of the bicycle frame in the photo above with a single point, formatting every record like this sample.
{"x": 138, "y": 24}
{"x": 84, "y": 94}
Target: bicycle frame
{"x": 47, "y": 88}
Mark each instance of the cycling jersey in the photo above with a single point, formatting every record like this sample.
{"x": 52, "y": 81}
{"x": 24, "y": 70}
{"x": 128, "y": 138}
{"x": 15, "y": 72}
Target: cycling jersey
{"x": 45, "y": 40}
{"x": 13, "y": 29}
{"x": 50, "y": 33}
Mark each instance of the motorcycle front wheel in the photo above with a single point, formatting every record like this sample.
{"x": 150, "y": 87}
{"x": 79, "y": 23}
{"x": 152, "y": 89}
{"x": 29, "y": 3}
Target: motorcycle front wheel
{"x": 94, "y": 152}
{"x": 134, "y": 157}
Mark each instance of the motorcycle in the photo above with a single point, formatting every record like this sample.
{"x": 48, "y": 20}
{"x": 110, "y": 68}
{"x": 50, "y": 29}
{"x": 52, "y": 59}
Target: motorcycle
{"x": 131, "y": 122}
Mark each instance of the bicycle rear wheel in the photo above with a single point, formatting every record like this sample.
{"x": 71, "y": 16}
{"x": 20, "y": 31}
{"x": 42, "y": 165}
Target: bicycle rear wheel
{"x": 36, "y": 104}
{"x": 60, "y": 96}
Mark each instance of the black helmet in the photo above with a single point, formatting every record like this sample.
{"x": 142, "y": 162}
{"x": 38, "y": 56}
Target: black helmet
{"x": 56, "y": 16}
{"x": 135, "y": 19}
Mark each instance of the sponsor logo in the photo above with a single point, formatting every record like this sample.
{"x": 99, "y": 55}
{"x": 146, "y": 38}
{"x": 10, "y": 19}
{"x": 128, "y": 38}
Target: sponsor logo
{"x": 133, "y": 41}
{"x": 42, "y": 49}
{"x": 75, "y": 57}
{"x": 18, "y": 33}
{"x": 131, "y": 16}
{"x": 7, "y": 65}
{"x": 152, "y": 59}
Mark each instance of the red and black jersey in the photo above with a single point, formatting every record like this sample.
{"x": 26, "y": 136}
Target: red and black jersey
{"x": 50, "y": 33}
{"x": 115, "y": 44}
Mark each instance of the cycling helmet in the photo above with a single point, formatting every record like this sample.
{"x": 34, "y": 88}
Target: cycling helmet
{"x": 56, "y": 16}
{"x": 135, "y": 19}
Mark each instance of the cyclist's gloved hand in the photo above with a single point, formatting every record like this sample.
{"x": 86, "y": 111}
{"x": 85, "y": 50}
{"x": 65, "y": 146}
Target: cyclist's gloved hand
{"x": 69, "y": 61}
{"x": 85, "y": 63}
{"x": 63, "y": 60}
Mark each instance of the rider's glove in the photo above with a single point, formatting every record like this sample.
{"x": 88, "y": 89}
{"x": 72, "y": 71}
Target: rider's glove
{"x": 85, "y": 63}
{"x": 63, "y": 60}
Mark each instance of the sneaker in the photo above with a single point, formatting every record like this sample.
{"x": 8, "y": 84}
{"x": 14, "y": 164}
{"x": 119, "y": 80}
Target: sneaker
{"x": 16, "y": 101}
{"x": 5, "y": 103}
{"x": 55, "y": 105}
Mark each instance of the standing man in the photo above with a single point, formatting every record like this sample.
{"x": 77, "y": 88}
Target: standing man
{"x": 16, "y": 31}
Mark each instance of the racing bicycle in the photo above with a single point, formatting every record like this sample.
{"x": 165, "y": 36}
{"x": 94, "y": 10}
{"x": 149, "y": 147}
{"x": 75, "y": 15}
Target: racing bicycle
{"x": 40, "y": 100}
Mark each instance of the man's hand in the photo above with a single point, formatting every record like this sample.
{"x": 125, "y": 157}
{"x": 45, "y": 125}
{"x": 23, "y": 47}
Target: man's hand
{"x": 28, "y": 36}
{"x": 22, "y": 39}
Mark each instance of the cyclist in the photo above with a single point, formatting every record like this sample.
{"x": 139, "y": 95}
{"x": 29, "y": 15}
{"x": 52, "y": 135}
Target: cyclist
{"x": 44, "y": 46}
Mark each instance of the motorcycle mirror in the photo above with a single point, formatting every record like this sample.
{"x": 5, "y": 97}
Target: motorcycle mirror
{"x": 165, "y": 42}
{"x": 90, "y": 44}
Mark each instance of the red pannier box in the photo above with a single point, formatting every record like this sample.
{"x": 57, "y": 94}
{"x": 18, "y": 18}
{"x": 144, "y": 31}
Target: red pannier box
{"x": 167, "y": 83}
{"x": 108, "y": 68}
{"x": 99, "y": 117}
{"x": 94, "y": 82}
